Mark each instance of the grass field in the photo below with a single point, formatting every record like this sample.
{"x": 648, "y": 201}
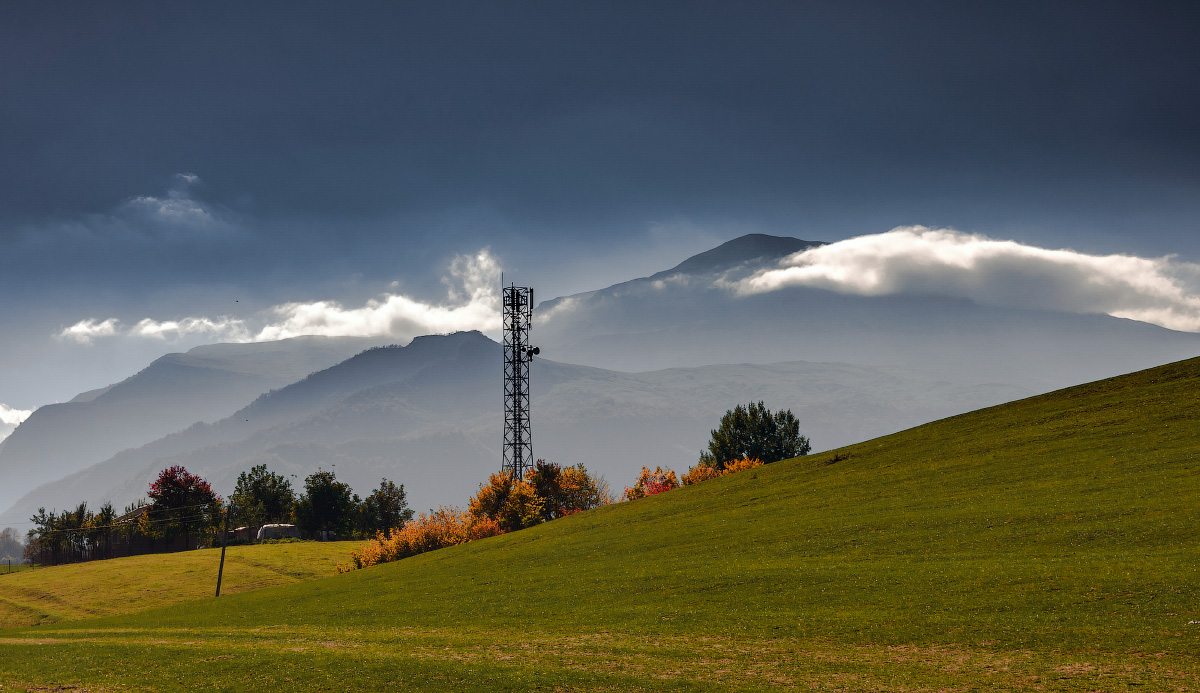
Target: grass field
{"x": 125, "y": 585}
{"x": 1047, "y": 544}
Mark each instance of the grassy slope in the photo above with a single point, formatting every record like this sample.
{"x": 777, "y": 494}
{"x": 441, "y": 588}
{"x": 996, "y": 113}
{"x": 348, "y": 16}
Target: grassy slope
{"x": 1048, "y": 543}
{"x": 124, "y": 585}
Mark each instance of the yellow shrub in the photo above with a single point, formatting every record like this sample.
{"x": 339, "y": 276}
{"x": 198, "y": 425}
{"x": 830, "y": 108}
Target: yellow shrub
{"x": 703, "y": 472}
{"x": 511, "y": 503}
{"x": 741, "y": 465}
{"x": 445, "y": 527}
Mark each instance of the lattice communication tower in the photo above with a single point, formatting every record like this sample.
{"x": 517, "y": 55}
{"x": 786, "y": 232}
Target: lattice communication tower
{"x": 518, "y": 354}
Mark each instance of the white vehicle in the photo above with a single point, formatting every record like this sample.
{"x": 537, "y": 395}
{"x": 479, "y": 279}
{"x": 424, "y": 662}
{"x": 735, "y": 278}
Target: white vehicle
{"x": 278, "y": 532}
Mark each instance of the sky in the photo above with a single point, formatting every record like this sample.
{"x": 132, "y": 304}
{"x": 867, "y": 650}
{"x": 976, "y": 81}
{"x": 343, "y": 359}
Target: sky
{"x": 173, "y": 174}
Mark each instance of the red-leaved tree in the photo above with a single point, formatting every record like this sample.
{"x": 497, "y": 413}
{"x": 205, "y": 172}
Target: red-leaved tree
{"x": 650, "y": 483}
{"x": 181, "y": 502}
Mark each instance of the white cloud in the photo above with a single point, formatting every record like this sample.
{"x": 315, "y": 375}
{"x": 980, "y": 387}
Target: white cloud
{"x": 86, "y": 330}
{"x": 472, "y": 303}
{"x": 229, "y": 329}
{"x": 945, "y": 262}
{"x": 561, "y": 307}
{"x": 11, "y": 416}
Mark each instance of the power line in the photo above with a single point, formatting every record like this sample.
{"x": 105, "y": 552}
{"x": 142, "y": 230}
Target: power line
{"x": 125, "y": 523}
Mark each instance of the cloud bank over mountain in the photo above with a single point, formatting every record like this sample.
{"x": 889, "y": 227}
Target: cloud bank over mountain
{"x": 472, "y": 303}
{"x": 10, "y": 418}
{"x": 916, "y": 260}
{"x": 908, "y": 260}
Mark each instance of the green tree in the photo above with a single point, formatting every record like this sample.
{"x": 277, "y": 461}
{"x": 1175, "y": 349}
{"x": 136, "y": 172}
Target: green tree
{"x": 262, "y": 497}
{"x": 754, "y": 432}
{"x": 327, "y": 505}
{"x": 12, "y": 547}
{"x": 385, "y": 509}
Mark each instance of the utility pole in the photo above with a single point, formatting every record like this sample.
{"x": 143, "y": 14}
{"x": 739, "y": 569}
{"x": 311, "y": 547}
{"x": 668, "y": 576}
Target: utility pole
{"x": 224, "y": 542}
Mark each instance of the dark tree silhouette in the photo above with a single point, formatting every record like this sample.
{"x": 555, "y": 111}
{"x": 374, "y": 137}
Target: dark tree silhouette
{"x": 385, "y": 509}
{"x": 326, "y": 506}
{"x": 753, "y": 431}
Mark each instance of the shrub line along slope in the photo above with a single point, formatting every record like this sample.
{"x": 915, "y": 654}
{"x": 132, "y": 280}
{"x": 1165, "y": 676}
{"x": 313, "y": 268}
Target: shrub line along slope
{"x": 1047, "y": 543}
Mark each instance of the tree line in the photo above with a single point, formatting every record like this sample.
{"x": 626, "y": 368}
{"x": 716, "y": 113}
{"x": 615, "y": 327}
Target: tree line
{"x": 181, "y": 511}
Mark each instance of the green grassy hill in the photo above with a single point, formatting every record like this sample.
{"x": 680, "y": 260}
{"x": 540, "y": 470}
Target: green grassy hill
{"x": 126, "y": 585}
{"x": 1050, "y": 543}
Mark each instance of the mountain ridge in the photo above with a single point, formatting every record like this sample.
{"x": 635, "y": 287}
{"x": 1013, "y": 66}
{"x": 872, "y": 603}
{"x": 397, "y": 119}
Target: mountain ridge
{"x": 437, "y": 428}
{"x": 172, "y": 392}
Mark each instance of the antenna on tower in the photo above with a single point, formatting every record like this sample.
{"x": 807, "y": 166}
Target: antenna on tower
{"x": 518, "y": 354}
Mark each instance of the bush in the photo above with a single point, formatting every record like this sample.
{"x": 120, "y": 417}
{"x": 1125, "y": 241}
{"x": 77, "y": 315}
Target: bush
{"x": 511, "y": 503}
{"x": 437, "y": 530}
{"x": 566, "y": 490}
{"x": 703, "y": 472}
{"x": 503, "y": 504}
{"x": 650, "y": 483}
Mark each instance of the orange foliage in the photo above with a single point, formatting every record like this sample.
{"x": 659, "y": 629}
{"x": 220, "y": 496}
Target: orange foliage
{"x": 650, "y": 483}
{"x": 703, "y": 472}
{"x": 510, "y": 503}
{"x": 445, "y": 527}
{"x": 741, "y": 465}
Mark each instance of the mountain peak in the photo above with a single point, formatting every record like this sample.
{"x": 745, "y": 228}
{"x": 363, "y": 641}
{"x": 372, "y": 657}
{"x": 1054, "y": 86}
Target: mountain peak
{"x": 753, "y": 246}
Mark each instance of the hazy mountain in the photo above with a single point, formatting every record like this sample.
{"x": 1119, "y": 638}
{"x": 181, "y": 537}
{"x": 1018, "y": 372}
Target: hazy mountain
{"x": 204, "y": 384}
{"x": 429, "y": 416}
{"x": 683, "y": 317}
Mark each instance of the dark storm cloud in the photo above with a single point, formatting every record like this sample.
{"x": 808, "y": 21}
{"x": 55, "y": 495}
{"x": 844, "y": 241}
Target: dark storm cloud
{"x": 601, "y": 116}
{"x": 339, "y": 146}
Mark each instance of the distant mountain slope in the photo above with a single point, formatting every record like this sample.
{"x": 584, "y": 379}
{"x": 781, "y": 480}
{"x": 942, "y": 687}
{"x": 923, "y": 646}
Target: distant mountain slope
{"x": 686, "y": 317}
{"x": 206, "y": 383}
{"x": 429, "y": 416}
{"x": 753, "y": 248}
{"x": 744, "y": 254}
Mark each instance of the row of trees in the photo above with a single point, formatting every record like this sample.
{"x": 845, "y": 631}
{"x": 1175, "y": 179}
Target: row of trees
{"x": 327, "y": 506}
{"x": 182, "y": 512}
